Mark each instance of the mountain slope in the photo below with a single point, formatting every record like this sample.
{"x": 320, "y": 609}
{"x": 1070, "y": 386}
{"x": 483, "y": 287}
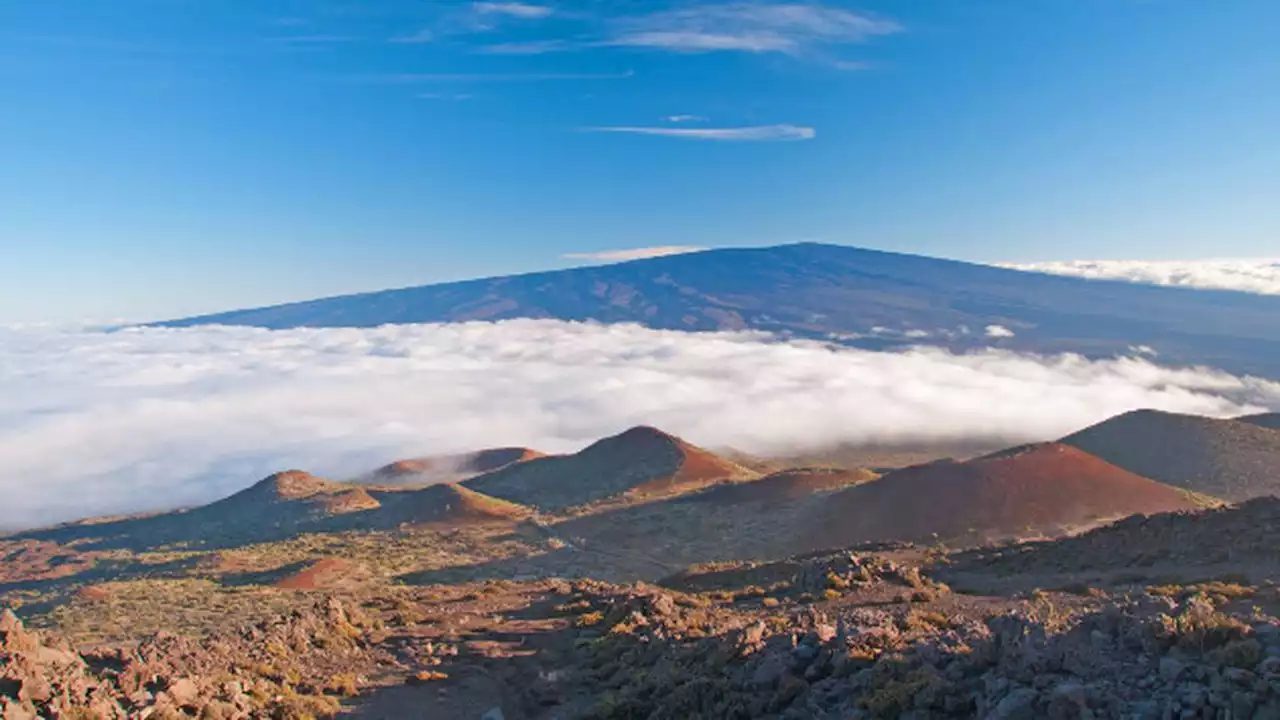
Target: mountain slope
{"x": 823, "y": 291}
{"x": 642, "y": 461}
{"x": 1049, "y": 488}
{"x": 1270, "y": 421}
{"x": 1228, "y": 459}
{"x": 449, "y": 468}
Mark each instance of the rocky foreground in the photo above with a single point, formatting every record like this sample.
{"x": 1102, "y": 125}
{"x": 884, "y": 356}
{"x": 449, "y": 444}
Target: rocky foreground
{"x": 851, "y": 634}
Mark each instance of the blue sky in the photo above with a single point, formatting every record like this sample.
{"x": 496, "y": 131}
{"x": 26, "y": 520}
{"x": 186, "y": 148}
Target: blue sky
{"x": 165, "y": 157}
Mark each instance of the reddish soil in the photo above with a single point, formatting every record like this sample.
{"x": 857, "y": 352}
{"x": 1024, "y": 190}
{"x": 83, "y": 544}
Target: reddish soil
{"x": 36, "y": 560}
{"x": 457, "y": 467}
{"x": 642, "y": 461}
{"x": 345, "y": 501}
{"x": 446, "y": 505}
{"x": 786, "y": 486}
{"x": 322, "y": 574}
{"x": 293, "y": 485}
{"x": 1048, "y": 488}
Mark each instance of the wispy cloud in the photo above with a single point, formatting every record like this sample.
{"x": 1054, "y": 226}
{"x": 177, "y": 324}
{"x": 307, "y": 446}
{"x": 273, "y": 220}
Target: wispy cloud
{"x": 312, "y": 39}
{"x": 531, "y": 47}
{"x": 513, "y": 9}
{"x": 445, "y": 96}
{"x": 410, "y": 78}
{"x": 758, "y": 133}
{"x": 148, "y": 419}
{"x": 684, "y": 118}
{"x": 748, "y": 27}
{"x": 633, "y": 253}
{"x": 423, "y": 36}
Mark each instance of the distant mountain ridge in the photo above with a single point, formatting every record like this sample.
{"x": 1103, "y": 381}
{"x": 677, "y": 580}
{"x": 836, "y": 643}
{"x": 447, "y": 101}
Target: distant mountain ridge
{"x": 865, "y": 298}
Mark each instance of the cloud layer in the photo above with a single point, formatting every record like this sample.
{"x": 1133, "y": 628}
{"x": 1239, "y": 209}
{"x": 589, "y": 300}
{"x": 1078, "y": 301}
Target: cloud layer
{"x": 97, "y": 422}
{"x": 1253, "y": 276}
{"x": 756, "y": 133}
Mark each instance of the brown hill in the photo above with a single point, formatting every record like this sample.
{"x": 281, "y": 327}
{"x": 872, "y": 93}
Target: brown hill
{"x": 1036, "y": 489}
{"x": 641, "y": 462}
{"x": 785, "y": 486}
{"x": 324, "y": 574}
{"x": 1265, "y": 420}
{"x": 451, "y": 505}
{"x": 290, "y": 496}
{"x": 450, "y": 468}
{"x": 1228, "y": 459}
{"x": 1227, "y": 541}
{"x": 278, "y": 506}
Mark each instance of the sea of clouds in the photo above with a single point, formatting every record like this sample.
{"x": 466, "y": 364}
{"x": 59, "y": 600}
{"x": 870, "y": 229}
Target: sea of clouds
{"x": 95, "y": 421}
{"x": 1253, "y": 276}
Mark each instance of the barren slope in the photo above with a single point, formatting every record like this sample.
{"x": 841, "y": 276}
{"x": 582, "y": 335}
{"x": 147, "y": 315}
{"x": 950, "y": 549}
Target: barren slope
{"x": 785, "y": 486}
{"x": 449, "y": 468}
{"x": 641, "y": 462}
{"x": 1227, "y": 459}
{"x": 1041, "y": 489}
{"x": 442, "y": 505}
{"x": 1265, "y": 420}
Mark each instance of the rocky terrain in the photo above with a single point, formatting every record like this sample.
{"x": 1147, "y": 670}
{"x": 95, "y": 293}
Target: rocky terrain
{"x": 644, "y": 577}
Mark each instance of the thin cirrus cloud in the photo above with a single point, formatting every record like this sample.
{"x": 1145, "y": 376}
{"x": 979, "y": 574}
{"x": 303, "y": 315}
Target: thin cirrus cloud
{"x": 420, "y": 37}
{"x": 531, "y": 47}
{"x": 755, "y": 133}
{"x": 513, "y": 9}
{"x": 748, "y": 27}
{"x": 150, "y": 419}
{"x": 633, "y": 253}
{"x": 752, "y": 27}
{"x": 685, "y": 118}
{"x": 411, "y": 78}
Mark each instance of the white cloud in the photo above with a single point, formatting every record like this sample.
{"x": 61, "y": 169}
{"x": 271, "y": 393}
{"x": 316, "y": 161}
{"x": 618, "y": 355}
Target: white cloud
{"x": 757, "y": 133}
{"x": 94, "y": 422}
{"x": 513, "y": 9}
{"x": 748, "y": 27}
{"x": 633, "y": 253}
{"x": 998, "y": 331}
{"x": 685, "y": 118}
{"x": 1261, "y": 276}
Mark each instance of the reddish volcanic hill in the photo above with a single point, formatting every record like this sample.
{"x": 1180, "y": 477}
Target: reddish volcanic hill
{"x": 451, "y": 505}
{"x": 1227, "y": 459}
{"x": 451, "y": 468}
{"x": 641, "y": 462}
{"x": 1036, "y": 489}
{"x": 324, "y": 574}
{"x": 278, "y": 506}
{"x": 785, "y": 486}
{"x": 290, "y": 493}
